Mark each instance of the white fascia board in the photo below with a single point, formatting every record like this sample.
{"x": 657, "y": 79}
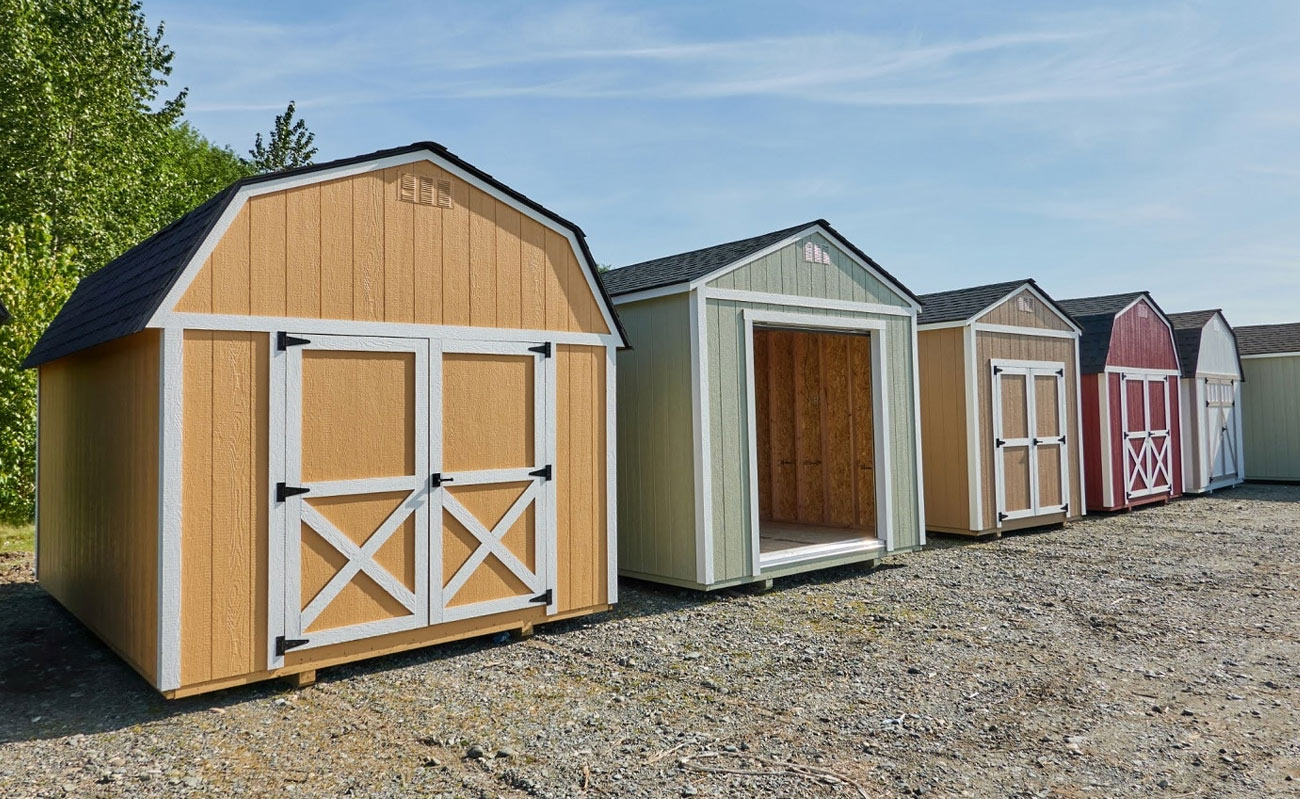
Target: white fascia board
{"x": 650, "y": 294}
{"x": 161, "y": 316}
{"x": 1270, "y": 355}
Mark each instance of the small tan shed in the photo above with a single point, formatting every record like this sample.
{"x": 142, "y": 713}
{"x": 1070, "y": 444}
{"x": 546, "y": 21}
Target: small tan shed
{"x": 1000, "y": 421}
{"x": 332, "y": 413}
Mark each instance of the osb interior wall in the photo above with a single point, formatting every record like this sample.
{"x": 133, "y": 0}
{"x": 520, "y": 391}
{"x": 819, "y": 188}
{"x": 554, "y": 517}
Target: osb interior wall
{"x": 352, "y": 249}
{"x": 1033, "y": 313}
{"x": 1013, "y": 346}
{"x": 225, "y": 529}
{"x": 943, "y": 427}
{"x": 98, "y": 499}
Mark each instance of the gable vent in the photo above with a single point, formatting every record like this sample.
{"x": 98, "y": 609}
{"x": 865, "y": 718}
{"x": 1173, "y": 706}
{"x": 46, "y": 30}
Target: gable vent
{"x": 418, "y": 189}
{"x": 1025, "y": 303}
{"x": 444, "y": 194}
{"x": 1143, "y": 312}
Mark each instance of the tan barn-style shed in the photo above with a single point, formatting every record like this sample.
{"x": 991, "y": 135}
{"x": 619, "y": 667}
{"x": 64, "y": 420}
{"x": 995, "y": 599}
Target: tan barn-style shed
{"x": 1000, "y": 405}
{"x": 332, "y": 413}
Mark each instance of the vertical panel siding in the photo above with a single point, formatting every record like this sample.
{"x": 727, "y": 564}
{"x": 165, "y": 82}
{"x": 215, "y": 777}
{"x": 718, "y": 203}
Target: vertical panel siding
{"x": 1141, "y": 342}
{"x": 1024, "y": 348}
{"x": 785, "y": 272}
{"x": 224, "y": 517}
{"x": 656, "y": 483}
{"x": 352, "y": 249}
{"x": 580, "y": 474}
{"x": 943, "y": 428}
{"x": 1009, "y": 313}
{"x": 99, "y": 492}
{"x": 1092, "y": 454}
{"x": 1270, "y": 407}
{"x": 1218, "y": 354}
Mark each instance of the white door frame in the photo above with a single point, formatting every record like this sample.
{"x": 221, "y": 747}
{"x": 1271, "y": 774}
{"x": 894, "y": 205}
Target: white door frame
{"x": 1030, "y": 370}
{"x": 880, "y": 422}
{"x": 542, "y": 581}
{"x": 284, "y": 580}
{"x": 1162, "y": 452}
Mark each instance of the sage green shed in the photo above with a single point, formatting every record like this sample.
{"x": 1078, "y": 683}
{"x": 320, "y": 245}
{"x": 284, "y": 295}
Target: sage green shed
{"x": 768, "y": 420}
{"x": 1270, "y": 401}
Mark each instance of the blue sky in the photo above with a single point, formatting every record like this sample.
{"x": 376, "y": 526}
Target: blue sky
{"x": 1110, "y": 148}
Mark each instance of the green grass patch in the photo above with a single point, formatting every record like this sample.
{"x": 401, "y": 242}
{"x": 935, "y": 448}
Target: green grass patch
{"x": 17, "y": 539}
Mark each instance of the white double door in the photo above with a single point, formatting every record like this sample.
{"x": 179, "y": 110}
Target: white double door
{"x": 414, "y": 485}
{"x": 1221, "y": 429}
{"x": 1146, "y": 409}
{"x": 1030, "y": 455}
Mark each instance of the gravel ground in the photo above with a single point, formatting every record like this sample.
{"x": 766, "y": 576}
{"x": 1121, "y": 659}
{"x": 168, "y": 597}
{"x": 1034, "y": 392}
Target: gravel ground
{"x": 1155, "y": 653}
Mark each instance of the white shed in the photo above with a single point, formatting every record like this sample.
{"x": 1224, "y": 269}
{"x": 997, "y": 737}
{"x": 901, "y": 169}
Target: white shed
{"x": 1210, "y": 394}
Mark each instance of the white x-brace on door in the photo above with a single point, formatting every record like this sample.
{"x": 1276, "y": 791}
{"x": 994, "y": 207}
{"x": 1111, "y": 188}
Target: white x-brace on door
{"x": 1145, "y": 410}
{"x": 1221, "y": 428}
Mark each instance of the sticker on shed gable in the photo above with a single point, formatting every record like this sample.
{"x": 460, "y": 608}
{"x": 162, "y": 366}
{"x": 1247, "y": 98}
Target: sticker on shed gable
{"x": 814, "y": 254}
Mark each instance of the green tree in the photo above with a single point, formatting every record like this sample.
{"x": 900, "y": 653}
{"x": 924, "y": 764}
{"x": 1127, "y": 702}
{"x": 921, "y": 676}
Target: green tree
{"x": 82, "y": 122}
{"x": 289, "y": 145}
{"x": 36, "y": 277}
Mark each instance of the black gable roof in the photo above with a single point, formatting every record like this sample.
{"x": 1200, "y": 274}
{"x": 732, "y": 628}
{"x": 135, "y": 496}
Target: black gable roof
{"x": 119, "y": 299}
{"x": 1268, "y": 339}
{"x": 959, "y": 305}
{"x": 684, "y": 267}
{"x": 1096, "y": 315}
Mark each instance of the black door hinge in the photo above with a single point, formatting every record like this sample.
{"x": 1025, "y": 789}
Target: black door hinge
{"x": 284, "y": 341}
{"x": 544, "y": 349}
{"x": 283, "y": 492}
{"x": 1061, "y": 372}
{"x": 997, "y": 370}
{"x": 283, "y": 644}
{"x": 543, "y": 598}
{"x": 997, "y": 442}
{"x": 1002, "y": 517}
{"x": 436, "y": 479}
{"x": 544, "y": 472}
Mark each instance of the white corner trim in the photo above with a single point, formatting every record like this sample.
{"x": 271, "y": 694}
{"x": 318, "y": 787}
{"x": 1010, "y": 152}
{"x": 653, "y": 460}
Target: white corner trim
{"x": 974, "y": 439}
{"x": 1107, "y": 439}
{"x": 277, "y": 512}
{"x": 611, "y": 474}
{"x": 171, "y": 429}
{"x": 703, "y": 451}
{"x": 1018, "y": 330}
{"x": 916, "y": 437}
{"x": 893, "y": 285}
{"x": 195, "y": 264}
{"x": 798, "y": 301}
{"x": 751, "y": 442}
{"x": 1078, "y": 427}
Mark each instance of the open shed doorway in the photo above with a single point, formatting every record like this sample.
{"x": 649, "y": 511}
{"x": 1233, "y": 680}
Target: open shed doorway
{"x": 815, "y": 441}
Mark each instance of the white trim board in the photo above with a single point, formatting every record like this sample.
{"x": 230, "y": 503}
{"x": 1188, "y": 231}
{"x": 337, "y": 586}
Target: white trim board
{"x": 1142, "y": 370}
{"x": 799, "y": 301}
{"x": 650, "y": 294}
{"x": 982, "y": 327}
{"x": 161, "y": 315}
{"x": 1270, "y": 355}
{"x": 171, "y": 430}
{"x": 703, "y": 451}
{"x": 880, "y": 421}
{"x": 349, "y": 327}
{"x": 892, "y": 284}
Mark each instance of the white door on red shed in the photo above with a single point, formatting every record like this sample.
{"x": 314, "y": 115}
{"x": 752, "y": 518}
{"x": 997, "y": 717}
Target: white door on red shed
{"x": 1146, "y": 409}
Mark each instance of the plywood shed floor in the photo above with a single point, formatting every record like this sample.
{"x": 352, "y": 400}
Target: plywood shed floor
{"x": 783, "y": 537}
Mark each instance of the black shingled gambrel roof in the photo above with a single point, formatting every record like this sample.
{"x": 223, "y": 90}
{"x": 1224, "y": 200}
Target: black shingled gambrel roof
{"x": 119, "y": 299}
{"x": 1096, "y": 315}
{"x": 1268, "y": 339}
{"x": 1188, "y": 327}
{"x": 685, "y": 267}
{"x": 960, "y": 305}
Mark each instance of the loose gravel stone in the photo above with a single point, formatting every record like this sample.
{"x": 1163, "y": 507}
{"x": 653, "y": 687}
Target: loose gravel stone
{"x": 1052, "y": 664}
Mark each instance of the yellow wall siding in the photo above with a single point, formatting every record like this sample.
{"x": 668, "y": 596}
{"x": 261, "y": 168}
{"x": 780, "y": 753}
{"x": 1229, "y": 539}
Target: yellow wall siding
{"x": 943, "y": 427}
{"x": 98, "y": 536}
{"x": 352, "y": 249}
{"x": 224, "y": 504}
{"x": 1038, "y": 315}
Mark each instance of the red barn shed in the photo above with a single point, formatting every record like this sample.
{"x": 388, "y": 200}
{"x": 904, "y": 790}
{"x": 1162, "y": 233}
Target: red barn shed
{"x": 1131, "y": 414}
